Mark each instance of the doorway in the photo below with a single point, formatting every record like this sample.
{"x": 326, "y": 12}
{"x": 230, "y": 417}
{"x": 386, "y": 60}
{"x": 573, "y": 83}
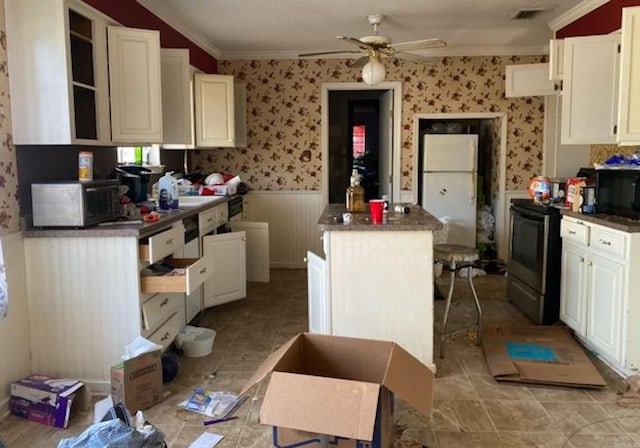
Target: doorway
{"x": 492, "y": 131}
{"x": 361, "y": 131}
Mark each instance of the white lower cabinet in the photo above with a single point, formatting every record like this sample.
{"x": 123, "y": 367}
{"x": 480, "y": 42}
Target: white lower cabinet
{"x": 89, "y": 299}
{"x": 374, "y": 284}
{"x": 229, "y": 281}
{"x": 600, "y": 290}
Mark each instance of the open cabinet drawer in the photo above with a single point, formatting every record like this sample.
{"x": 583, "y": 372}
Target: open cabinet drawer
{"x": 188, "y": 274}
{"x": 158, "y": 308}
{"x": 161, "y": 244}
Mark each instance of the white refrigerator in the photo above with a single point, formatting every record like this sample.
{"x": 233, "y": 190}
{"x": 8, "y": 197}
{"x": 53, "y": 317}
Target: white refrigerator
{"x": 449, "y": 183}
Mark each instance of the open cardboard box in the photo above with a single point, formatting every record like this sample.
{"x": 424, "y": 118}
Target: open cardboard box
{"x": 337, "y": 386}
{"x": 545, "y": 355}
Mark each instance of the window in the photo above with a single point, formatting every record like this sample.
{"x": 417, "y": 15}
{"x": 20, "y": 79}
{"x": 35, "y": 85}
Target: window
{"x": 141, "y": 155}
{"x": 358, "y": 134}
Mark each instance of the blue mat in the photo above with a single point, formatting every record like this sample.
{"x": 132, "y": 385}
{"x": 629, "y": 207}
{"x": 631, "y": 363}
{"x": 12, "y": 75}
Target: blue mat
{"x": 530, "y": 351}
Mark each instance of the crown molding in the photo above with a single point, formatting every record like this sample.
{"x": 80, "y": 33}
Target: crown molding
{"x": 439, "y": 52}
{"x": 574, "y": 14}
{"x": 161, "y": 11}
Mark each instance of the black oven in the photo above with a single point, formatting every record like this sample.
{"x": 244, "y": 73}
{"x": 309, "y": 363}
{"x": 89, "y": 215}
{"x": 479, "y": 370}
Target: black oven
{"x": 533, "y": 279}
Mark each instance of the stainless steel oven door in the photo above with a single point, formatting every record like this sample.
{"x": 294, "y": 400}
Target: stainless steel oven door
{"x": 528, "y": 247}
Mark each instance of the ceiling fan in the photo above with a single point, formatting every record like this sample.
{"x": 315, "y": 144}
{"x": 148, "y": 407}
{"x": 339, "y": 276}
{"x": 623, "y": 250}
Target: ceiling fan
{"x": 377, "y": 45}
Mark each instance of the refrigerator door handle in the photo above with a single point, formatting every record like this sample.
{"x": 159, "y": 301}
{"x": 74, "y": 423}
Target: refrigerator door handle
{"x": 473, "y": 188}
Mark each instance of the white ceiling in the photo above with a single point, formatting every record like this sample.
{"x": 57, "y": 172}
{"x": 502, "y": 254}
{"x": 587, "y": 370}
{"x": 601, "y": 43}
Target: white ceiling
{"x": 250, "y": 29}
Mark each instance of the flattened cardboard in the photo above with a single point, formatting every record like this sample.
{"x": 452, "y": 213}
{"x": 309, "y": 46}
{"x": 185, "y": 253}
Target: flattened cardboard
{"x": 545, "y": 355}
{"x": 330, "y": 384}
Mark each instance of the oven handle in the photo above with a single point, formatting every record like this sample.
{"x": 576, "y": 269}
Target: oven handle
{"x": 531, "y": 216}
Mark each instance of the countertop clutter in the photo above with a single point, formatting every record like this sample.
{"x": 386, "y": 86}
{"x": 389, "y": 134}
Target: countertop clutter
{"x": 136, "y": 228}
{"x": 417, "y": 219}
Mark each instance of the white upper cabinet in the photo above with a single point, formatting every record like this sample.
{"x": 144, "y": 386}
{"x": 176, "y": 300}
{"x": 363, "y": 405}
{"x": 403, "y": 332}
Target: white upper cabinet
{"x": 214, "y": 100}
{"x": 556, "y": 55}
{"x": 177, "y": 117}
{"x": 629, "y": 100}
{"x": 528, "y": 80}
{"x": 590, "y": 89}
{"x": 135, "y": 85}
{"x": 57, "y": 73}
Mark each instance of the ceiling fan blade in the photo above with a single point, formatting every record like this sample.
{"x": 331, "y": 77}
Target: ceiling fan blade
{"x": 419, "y": 44}
{"x": 414, "y": 58}
{"x": 359, "y": 63}
{"x": 353, "y": 40}
{"x": 322, "y": 53}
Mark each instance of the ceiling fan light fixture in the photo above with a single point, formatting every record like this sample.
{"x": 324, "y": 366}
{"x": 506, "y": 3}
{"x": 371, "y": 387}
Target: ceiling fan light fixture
{"x": 373, "y": 72}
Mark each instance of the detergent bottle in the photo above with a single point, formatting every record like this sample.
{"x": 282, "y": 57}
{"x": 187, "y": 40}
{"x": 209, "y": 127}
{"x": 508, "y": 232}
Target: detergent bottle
{"x": 168, "y": 192}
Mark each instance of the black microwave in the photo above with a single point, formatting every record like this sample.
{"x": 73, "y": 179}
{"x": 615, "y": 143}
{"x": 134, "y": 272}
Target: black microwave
{"x": 618, "y": 192}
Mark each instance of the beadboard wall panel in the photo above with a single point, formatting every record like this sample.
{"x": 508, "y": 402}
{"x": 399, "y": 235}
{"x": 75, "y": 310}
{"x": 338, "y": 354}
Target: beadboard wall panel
{"x": 293, "y": 223}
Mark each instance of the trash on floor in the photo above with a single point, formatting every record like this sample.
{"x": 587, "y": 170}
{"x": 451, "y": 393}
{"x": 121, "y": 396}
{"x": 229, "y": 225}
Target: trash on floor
{"x": 542, "y": 354}
{"x": 195, "y": 341}
{"x": 213, "y": 404}
{"x": 48, "y": 400}
{"x": 629, "y": 392}
{"x": 206, "y": 440}
{"x": 340, "y": 390}
{"x": 117, "y": 429}
{"x": 137, "y": 380}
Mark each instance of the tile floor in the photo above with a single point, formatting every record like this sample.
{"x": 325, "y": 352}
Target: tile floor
{"x": 470, "y": 408}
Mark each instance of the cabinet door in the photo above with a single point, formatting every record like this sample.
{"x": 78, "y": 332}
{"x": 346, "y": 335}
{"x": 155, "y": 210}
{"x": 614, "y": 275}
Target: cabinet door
{"x": 135, "y": 88}
{"x": 319, "y": 304}
{"x": 177, "y": 123}
{"x": 528, "y": 80}
{"x": 605, "y": 295}
{"x": 629, "y": 100}
{"x": 573, "y": 301}
{"x": 257, "y": 249}
{"x": 590, "y": 89}
{"x": 556, "y": 55}
{"x": 59, "y": 87}
{"x": 214, "y": 110}
{"x": 228, "y": 281}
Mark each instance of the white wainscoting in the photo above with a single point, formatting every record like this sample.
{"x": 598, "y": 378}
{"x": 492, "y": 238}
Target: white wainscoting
{"x": 14, "y": 330}
{"x": 293, "y": 223}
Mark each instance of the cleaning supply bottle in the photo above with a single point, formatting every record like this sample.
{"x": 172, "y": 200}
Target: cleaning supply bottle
{"x": 355, "y": 194}
{"x": 168, "y": 192}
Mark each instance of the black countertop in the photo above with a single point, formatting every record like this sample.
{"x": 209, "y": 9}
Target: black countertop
{"x": 416, "y": 219}
{"x": 123, "y": 228}
{"x": 621, "y": 223}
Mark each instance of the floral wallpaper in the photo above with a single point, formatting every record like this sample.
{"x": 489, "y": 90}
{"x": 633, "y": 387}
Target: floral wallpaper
{"x": 9, "y": 211}
{"x": 284, "y": 115}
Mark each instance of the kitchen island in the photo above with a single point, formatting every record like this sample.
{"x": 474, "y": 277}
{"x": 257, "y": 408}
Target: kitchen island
{"x": 377, "y": 279}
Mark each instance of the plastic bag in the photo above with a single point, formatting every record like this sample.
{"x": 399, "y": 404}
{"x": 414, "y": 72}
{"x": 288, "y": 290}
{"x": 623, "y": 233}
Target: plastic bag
{"x": 113, "y": 434}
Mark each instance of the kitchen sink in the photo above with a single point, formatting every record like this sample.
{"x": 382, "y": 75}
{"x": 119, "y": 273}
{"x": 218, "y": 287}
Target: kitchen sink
{"x": 196, "y": 201}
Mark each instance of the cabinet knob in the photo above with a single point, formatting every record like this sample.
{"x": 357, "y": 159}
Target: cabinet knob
{"x": 571, "y": 232}
{"x": 170, "y": 241}
{"x": 164, "y": 302}
{"x": 203, "y": 271}
{"x": 605, "y": 243}
{"x": 305, "y": 259}
{"x": 581, "y": 259}
{"x": 165, "y": 337}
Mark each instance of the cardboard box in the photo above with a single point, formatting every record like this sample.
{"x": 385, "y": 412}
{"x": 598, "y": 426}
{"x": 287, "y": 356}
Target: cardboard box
{"x": 546, "y": 355}
{"x": 224, "y": 189}
{"x": 339, "y": 386}
{"x": 137, "y": 382}
{"x": 48, "y": 400}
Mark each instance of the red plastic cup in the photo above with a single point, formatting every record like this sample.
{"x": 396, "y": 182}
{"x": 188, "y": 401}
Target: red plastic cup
{"x": 376, "y": 206}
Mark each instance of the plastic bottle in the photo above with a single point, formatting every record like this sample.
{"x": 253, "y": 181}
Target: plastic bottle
{"x": 355, "y": 194}
{"x": 168, "y": 192}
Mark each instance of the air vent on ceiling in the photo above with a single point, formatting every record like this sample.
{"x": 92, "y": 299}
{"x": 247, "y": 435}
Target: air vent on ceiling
{"x": 527, "y": 14}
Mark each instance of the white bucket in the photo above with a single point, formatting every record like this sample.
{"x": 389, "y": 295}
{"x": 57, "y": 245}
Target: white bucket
{"x": 195, "y": 341}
